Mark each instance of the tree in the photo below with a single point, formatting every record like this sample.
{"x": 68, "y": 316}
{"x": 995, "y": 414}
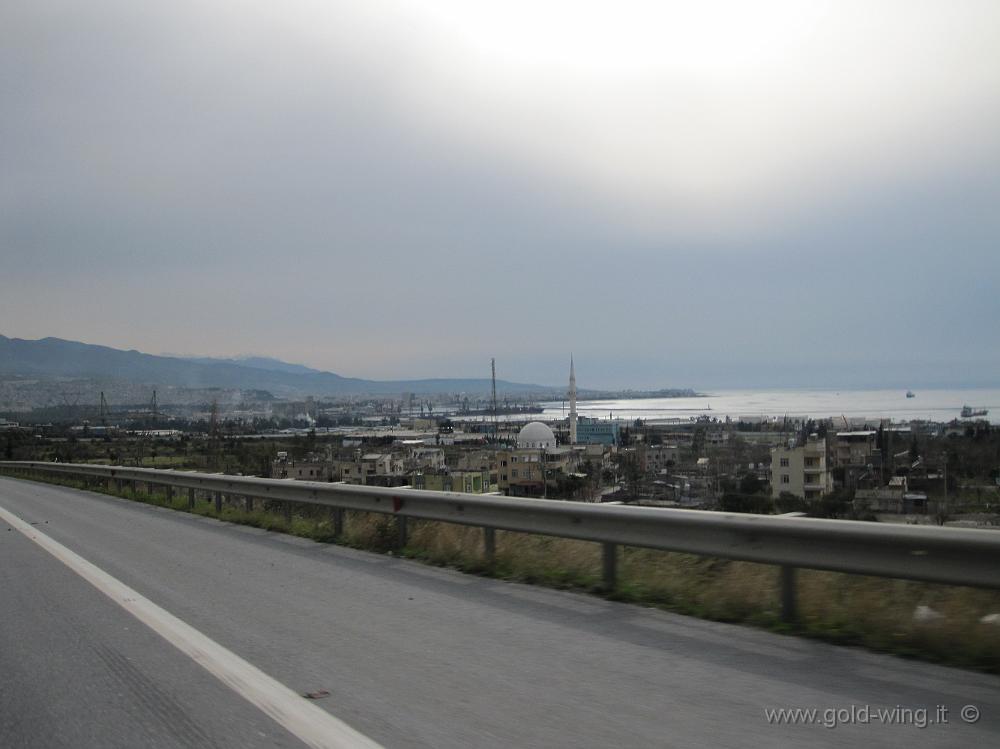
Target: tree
{"x": 757, "y": 504}
{"x": 788, "y": 502}
{"x": 698, "y": 441}
{"x": 836, "y": 504}
{"x": 750, "y": 484}
{"x": 630, "y": 471}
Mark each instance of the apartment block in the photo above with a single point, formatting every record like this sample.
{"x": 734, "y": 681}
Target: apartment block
{"x": 801, "y": 470}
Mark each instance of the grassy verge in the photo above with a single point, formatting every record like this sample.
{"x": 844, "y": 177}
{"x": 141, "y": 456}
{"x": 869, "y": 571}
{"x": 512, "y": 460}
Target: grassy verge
{"x": 872, "y": 612}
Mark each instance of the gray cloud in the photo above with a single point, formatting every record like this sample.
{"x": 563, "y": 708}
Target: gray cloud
{"x": 330, "y": 186}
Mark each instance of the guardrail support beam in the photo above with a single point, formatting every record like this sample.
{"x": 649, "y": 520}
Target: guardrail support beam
{"x": 338, "y": 522}
{"x": 789, "y": 594}
{"x": 609, "y": 553}
{"x": 218, "y": 502}
{"x": 490, "y": 545}
{"x": 286, "y": 508}
{"x": 401, "y": 530}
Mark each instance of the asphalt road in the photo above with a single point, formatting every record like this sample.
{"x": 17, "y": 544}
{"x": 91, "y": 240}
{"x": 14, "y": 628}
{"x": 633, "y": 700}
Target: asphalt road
{"x": 411, "y": 656}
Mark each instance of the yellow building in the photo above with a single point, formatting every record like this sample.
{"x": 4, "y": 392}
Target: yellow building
{"x": 801, "y": 471}
{"x": 467, "y": 482}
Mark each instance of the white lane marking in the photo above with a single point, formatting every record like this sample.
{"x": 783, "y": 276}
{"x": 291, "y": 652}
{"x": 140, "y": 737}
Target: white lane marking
{"x": 310, "y": 723}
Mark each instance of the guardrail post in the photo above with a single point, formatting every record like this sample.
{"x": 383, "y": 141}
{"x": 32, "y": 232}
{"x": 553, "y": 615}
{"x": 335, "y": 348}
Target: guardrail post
{"x": 248, "y": 503}
{"x": 789, "y": 594}
{"x": 218, "y": 502}
{"x": 401, "y": 530}
{"x": 338, "y": 522}
{"x": 610, "y": 565}
{"x": 490, "y": 545}
{"x": 169, "y": 490}
{"x": 190, "y": 499}
{"x": 286, "y": 508}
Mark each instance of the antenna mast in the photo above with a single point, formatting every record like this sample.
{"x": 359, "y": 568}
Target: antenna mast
{"x": 496, "y": 427}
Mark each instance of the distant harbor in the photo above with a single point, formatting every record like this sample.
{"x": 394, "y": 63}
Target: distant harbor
{"x": 504, "y": 410}
{"x": 939, "y": 405}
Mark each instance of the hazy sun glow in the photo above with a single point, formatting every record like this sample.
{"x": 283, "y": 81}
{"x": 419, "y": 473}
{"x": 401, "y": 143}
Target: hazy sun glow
{"x": 711, "y": 37}
{"x": 672, "y": 113}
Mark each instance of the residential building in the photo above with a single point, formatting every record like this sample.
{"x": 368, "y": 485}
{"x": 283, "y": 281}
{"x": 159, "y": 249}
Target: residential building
{"x": 599, "y": 456}
{"x": 658, "y": 458}
{"x": 304, "y": 470}
{"x": 855, "y": 448}
{"x": 520, "y": 472}
{"x": 468, "y": 482}
{"x": 378, "y": 469}
{"x": 429, "y": 458}
{"x": 801, "y": 470}
{"x": 381, "y": 464}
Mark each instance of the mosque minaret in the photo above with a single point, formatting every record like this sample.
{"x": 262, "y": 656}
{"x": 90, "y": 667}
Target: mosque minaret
{"x": 572, "y": 402}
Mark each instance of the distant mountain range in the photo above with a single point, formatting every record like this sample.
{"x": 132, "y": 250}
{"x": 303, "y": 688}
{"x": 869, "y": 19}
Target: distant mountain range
{"x": 50, "y": 358}
{"x": 257, "y": 362}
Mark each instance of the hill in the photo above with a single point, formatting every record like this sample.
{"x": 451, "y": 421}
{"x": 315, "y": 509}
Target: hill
{"x": 50, "y": 358}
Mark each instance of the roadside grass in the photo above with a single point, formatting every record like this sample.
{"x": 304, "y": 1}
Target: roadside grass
{"x": 870, "y": 612}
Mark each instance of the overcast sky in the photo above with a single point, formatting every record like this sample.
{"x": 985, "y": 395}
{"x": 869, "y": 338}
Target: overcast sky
{"x": 682, "y": 194}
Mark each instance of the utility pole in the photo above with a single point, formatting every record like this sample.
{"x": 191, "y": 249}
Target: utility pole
{"x": 890, "y": 456}
{"x": 944, "y": 473}
{"x": 213, "y": 420}
{"x": 572, "y": 402}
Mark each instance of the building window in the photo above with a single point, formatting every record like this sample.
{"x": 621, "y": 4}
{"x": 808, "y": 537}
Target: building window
{"x": 784, "y": 462}
{"x": 513, "y": 474}
{"x": 784, "y": 478}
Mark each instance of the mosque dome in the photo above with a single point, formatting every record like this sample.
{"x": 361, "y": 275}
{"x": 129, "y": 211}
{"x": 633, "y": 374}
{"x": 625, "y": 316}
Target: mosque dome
{"x": 536, "y": 435}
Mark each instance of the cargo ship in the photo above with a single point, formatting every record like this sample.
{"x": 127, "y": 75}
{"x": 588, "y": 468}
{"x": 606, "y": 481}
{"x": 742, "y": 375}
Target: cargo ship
{"x": 968, "y": 412}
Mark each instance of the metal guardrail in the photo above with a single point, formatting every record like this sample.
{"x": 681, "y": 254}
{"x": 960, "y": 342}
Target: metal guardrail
{"x": 956, "y": 556}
